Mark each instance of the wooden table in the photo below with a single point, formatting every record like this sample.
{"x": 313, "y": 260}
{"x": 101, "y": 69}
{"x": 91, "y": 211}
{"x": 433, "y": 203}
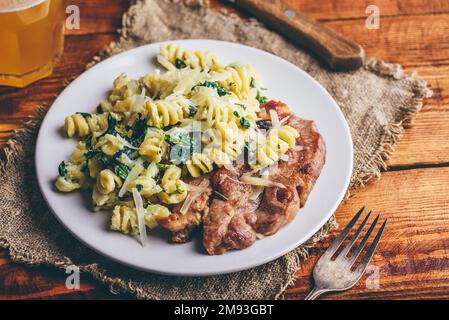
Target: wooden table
{"x": 413, "y": 258}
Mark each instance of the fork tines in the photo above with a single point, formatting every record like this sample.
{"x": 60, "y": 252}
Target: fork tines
{"x": 370, "y": 252}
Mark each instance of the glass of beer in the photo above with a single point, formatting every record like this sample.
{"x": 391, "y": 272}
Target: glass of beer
{"x": 31, "y": 39}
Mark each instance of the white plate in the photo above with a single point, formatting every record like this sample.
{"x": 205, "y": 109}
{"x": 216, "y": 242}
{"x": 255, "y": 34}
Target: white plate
{"x": 284, "y": 81}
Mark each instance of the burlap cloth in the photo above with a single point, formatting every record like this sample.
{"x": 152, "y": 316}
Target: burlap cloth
{"x": 376, "y": 101}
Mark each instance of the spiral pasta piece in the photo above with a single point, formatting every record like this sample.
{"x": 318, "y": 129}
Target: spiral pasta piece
{"x": 181, "y": 58}
{"x": 107, "y": 182}
{"x": 94, "y": 167}
{"x": 174, "y": 189}
{"x": 110, "y": 144}
{"x": 158, "y": 85}
{"x": 277, "y": 143}
{"x": 78, "y": 154}
{"x": 240, "y": 81}
{"x": 200, "y": 163}
{"x": 162, "y": 113}
{"x": 122, "y": 88}
{"x": 154, "y": 147}
{"x": 219, "y": 157}
{"x": 124, "y": 219}
{"x": 146, "y": 185}
{"x": 229, "y": 137}
{"x": 215, "y": 113}
{"x": 83, "y": 124}
{"x": 174, "y": 192}
{"x": 154, "y": 212}
{"x": 72, "y": 179}
{"x": 65, "y": 185}
{"x": 172, "y": 173}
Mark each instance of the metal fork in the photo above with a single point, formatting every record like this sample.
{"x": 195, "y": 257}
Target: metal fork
{"x": 336, "y": 275}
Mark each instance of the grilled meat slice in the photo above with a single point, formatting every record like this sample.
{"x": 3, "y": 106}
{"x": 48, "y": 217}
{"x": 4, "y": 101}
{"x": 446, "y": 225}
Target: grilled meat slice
{"x": 228, "y": 224}
{"x": 298, "y": 174}
{"x": 183, "y": 225}
{"x": 303, "y": 166}
{"x": 228, "y": 228}
{"x": 279, "y": 207}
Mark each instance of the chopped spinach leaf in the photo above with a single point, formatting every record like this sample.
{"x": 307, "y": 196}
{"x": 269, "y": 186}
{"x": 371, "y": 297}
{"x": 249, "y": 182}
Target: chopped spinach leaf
{"x": 179, "y": 64}
{"x": 261, "y": 98}
{"x": 88, "y": 140}
{"x": 176, "y": 191}
{"x": 209, "y": 84}
{"x": 192, "y": 111}
{"x": 105, "y": 160}
{"x": 85, "y": 114}
{"x": 139, "y": 187}
{"x": 91, "y": 153}
{"x": 252, "y": 84}
{"x": 62, "y": 169}
{"x": 121, "y": 170}
{"x": 140, "y": 131}
{"x": 181, "y": 146}
{"x": 245, "y": 123}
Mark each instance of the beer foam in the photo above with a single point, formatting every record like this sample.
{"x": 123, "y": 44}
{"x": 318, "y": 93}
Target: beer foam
{"x": 17, "y": 5}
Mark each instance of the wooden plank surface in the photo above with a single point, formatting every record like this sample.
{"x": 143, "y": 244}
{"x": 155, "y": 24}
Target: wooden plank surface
{"x": 413, "y": 256}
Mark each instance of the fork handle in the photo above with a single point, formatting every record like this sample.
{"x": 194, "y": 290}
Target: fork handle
{"x": 315, "y": 293}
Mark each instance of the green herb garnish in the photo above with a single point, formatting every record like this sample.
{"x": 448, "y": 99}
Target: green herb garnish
{"x": 112, "y": 123}
{"x": 104, "y": 160}
{"x": 121, "y": 170}
{"x": 140, "y": 131}
{"x": 176, "y": 191}
{"x": 181, "y": 146}
{"x": 91, "y": 153}
{"x": 209, "y": 84}
{"x": 62, "y": 169}
{"x": 192, "y": 111}
{"x": 85, "y": 114}
{"x": 88, "y": 140}
{"x": 179, "y": 64}
{"x": 236, "y": 114}
{"x": 139, "y": 187}
{"x": 261, "y": 98}
{"x": 245, "y": 123}
{"x": 252, "y": 84}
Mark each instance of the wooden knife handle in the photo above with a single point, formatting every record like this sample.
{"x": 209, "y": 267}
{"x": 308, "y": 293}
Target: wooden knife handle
{"x": 339, "y": 53}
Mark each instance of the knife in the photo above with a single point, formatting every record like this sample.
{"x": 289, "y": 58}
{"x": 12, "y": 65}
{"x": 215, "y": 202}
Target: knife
{"x": 339, "y": 53}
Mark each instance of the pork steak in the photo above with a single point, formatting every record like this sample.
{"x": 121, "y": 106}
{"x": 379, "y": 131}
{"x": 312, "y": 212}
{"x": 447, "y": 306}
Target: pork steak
{"x": 233, "y": 223}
